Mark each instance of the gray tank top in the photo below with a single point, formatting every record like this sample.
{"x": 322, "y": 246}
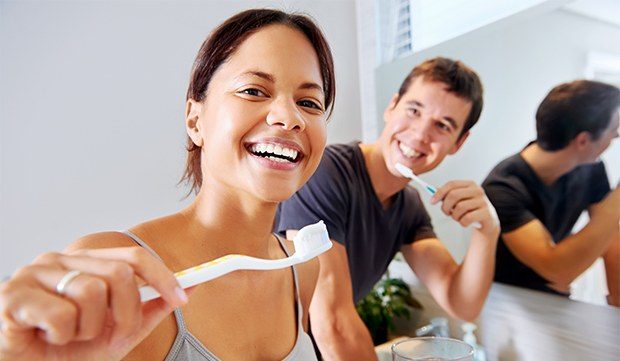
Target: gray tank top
{"x": 186, "y": 347}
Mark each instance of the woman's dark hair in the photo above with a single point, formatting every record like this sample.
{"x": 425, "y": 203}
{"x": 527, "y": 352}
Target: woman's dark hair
{"x": 224, "y": 41}
{"x": 571, "y": 108}
{"x": 460, "y": 80}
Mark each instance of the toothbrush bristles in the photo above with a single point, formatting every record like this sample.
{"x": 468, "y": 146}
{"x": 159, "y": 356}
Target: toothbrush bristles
{"x": 311, "y": 237}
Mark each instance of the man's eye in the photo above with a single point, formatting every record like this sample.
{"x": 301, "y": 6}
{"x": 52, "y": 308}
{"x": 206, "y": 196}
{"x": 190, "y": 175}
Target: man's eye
{"x": 444, "y": 126}
{"x": 413, "y": 111}
{"x": 253, "y": 92}
{"x": 309, "y": 104}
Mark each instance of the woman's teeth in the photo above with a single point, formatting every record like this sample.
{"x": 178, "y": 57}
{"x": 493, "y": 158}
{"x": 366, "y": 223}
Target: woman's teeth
{"x": 408, "y": 152}
{"x": 274, "y": 152}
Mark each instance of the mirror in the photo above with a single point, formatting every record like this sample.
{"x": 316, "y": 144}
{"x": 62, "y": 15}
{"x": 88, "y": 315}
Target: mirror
{"x": 520, "y": 58}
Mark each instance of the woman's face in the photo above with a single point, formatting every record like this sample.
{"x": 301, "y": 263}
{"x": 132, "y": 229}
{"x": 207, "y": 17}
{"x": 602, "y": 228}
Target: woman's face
{"x": 262, "y": 125}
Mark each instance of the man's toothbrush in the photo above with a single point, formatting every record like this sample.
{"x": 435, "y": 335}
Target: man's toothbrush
{"x": 310, "y": 241}
{"x": 408, "y": 173}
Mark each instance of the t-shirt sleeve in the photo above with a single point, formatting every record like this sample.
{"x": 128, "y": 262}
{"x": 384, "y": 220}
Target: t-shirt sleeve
{"x": 323, "y": 197}
{"x": 421, "y": 227}
{"x": 510, "y": 204}
{"x": 599, "y": 183}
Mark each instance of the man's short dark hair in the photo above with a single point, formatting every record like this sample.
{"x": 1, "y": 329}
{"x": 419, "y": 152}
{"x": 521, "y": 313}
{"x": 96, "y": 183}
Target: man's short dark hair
{"x": 571, "y": 108}
{"x": 459, "y": 79}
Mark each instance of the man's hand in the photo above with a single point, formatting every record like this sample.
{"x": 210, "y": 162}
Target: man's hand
{"x": 466, "y": 203}
{"x": 612, "y": 271}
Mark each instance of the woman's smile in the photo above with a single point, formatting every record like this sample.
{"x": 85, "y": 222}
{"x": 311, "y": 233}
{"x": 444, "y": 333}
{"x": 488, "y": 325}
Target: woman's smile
{"x": 276, "y": 153}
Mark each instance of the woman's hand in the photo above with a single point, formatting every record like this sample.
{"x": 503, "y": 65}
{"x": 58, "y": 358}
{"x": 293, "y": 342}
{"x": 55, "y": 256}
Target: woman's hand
{"x": 96, "y": 316}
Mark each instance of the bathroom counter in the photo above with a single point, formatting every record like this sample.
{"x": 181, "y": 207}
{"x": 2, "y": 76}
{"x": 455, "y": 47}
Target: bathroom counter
{"x": 521, "y": 324}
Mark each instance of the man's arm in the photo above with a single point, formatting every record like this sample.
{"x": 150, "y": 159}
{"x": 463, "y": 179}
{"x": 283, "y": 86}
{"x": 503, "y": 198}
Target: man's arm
{"x": 459, "y": 289}
{"x": 612, "y": 271}
{"x": 561, "y": 263}
{"x": 336, "y": 326}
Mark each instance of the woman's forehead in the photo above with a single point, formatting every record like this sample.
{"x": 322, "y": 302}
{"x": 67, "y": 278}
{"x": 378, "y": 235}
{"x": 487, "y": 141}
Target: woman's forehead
{"x": 278, "y": 50}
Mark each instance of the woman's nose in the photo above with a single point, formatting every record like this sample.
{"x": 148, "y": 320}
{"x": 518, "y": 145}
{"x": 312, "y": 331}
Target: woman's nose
{"x": 284, "y": 113}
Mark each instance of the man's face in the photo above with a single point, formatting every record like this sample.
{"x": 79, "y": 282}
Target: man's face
{"x": 423, "y": 126}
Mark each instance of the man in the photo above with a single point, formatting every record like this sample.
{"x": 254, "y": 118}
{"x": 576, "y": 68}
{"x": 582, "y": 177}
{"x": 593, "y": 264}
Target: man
{"x": 371, "y": 213}
{"x": 540, "y": 192}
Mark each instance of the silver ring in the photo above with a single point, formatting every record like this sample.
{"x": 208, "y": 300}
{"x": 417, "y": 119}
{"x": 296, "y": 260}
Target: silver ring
{"x": 61, "y": 286}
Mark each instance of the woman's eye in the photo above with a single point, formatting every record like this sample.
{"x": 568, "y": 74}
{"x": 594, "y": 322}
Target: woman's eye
{"x": 309, "y": 104}
{"x": 253, "y": 92}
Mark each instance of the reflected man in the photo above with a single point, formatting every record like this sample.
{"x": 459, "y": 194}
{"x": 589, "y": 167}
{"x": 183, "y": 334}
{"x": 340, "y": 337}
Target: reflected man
{"x": 371, "y": 213}
{"x": 540, "y": 192}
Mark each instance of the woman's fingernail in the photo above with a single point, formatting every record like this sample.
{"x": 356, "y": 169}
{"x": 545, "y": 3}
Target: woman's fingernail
{"x": 181, "y": 294}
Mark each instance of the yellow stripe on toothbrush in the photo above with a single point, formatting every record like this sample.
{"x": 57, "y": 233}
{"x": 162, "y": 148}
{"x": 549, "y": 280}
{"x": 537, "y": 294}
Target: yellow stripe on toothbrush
{"x": 206, "y": 265}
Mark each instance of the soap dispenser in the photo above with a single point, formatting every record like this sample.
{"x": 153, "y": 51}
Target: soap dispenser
{"x": 469, "y": 337}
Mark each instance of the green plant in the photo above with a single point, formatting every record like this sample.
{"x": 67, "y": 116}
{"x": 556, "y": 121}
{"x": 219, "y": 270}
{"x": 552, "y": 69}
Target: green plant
{"x": 390, "y": 298}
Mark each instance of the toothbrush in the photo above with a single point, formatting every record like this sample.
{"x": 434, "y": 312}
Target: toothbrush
{"x": 310, "y": 241}
{"x": 408, "y": 173}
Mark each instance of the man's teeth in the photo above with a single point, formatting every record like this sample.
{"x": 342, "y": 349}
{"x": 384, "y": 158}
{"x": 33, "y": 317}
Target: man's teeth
{"x": 408, "y": 152}
{"x": 274, "y": 152}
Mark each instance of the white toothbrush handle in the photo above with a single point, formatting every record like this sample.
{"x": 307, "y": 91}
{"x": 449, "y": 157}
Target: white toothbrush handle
{"x": 218, "y": 268}
{"x": 195, "y": 275}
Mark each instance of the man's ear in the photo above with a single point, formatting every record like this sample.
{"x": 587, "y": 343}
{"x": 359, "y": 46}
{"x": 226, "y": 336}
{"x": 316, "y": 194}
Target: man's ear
{"x": 193, "y": 109}
{"x": 459, "y": 143}
{"x": 390, "y": 106}
{"x": 582, "y": 139}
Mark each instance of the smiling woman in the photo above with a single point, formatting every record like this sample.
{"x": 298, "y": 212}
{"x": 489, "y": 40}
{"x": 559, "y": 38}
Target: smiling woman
{"x": 261, "y": 90}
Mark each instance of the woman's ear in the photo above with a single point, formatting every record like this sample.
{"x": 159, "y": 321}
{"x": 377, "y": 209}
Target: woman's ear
{"x": 193, "y": 109}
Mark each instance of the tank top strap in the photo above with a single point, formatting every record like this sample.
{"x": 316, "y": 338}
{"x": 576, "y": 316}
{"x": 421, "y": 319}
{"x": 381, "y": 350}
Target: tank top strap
{"x": 296, "y": 281}
{"x": 178, "y": 315}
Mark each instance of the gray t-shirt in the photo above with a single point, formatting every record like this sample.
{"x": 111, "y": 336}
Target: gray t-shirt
{"x": 340, "y": 193}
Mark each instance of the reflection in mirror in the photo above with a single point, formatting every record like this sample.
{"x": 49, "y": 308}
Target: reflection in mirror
{"x": 520, "y": 59}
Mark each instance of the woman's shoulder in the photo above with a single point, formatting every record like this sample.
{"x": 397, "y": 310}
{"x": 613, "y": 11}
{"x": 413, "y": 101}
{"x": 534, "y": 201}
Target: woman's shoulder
{"x": 148, "y": 230}
{"x": 110, "y": 239}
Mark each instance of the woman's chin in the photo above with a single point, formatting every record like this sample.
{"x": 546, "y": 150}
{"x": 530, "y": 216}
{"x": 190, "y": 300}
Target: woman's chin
{"x": 275, "y": 193}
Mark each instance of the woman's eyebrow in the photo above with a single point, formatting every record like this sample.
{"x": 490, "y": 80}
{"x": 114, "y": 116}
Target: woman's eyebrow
{"x": 311, "y": 85}
{"x": 259, "y": 74}
{"x": 272, "y": 79}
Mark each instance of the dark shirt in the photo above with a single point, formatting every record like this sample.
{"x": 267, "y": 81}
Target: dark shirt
{"x": 519, "y": 196}
{"x": 340, "y": 193}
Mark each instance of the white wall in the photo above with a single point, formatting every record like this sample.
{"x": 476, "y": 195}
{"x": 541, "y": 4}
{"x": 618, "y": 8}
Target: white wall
{"x": 91, "y": 111}
{"x": 437, "y": 21}
{"x": 519, "y": 62}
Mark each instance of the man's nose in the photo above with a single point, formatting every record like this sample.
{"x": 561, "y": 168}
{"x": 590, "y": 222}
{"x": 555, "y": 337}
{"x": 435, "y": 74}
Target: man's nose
{"x": 420, "y": 130}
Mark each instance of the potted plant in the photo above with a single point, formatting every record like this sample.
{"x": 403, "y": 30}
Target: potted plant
{"x": 390, "y": 298}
